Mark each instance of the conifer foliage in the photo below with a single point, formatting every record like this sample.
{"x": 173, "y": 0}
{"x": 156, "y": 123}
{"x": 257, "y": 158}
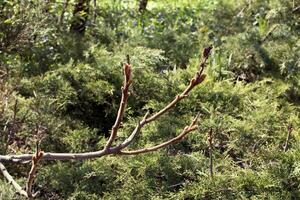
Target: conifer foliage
{"x": 80, "y": 120}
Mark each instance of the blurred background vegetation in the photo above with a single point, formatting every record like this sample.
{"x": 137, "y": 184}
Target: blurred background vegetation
{"x": 60, "y": 80}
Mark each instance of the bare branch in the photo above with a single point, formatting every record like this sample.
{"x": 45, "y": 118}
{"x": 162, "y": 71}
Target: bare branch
{"x": 108, "y": 149}
{"x": 125, "y": 94}
{"x": 198, "y": 78}
{"x": 24, "y": 158}
{"x": 134, "y": 133}
{"x": 174, "y": 140}
{"x": 30, "y": 179}
{"x": 11, "y": 180}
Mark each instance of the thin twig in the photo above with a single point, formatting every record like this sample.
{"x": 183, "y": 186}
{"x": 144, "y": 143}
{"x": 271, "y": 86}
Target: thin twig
{"x": 108, "y": 150}
{"x": 198, "y": 78}
{"x": 134, "y": 133}
{"x": 174, "y": 140}
{"x": 125, "y": 94}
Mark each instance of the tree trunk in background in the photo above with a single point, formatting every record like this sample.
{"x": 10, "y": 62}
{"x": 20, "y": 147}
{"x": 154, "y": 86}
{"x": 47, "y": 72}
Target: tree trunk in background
{"x": 95, "y": 11}
{"x": 80, "y": 17}
{"x": 65, "y": 6}
{"x": 143, "y": 5}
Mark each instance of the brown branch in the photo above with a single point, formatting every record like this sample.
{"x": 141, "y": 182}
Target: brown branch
{"x": 11, "y": 180}
{"x": 108, "y": 149}
{"x": 32, "y": 174}
{"x": 134, "y": 133}
{"x": 198, "y": 78}
{"x": 125, "y": 94}
{"x": 174, "y": 140}
{"x": 30, "y": 179}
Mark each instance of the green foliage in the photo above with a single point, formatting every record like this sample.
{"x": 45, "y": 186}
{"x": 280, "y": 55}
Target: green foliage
{"x": 6, "y": 191}
{"x": 64, "y": 91}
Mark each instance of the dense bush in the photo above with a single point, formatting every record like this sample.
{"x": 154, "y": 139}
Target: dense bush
{"x": 63, "y": 89}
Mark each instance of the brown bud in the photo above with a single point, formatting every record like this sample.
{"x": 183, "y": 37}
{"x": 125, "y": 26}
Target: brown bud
{"x": 127, "y": 71}
{"x": 206, "y": 51}
{"x": 41, "y": 153}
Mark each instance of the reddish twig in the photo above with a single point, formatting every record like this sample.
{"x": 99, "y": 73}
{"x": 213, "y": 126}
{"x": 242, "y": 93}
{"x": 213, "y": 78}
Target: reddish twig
{"x": 32, "y": 173}
{"x": 108, "y": 149}
{"x": 125, "y": 94}
{"x": 199, "y": 77}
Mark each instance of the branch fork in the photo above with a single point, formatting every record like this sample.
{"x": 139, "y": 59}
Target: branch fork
{"x": 109, "y": 149}
{"x": 31, "y": 176}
